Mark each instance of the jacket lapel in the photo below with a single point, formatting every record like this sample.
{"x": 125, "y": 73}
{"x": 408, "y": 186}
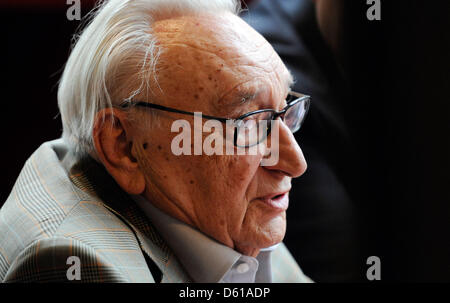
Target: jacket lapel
{"x": 95, "y": 183}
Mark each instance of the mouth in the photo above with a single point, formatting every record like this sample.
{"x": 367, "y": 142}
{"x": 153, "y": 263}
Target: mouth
{"x": 279, "y": 201}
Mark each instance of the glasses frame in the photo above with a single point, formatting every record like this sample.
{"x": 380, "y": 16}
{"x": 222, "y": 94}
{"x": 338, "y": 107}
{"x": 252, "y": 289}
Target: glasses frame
{"x": 276, "y": 114}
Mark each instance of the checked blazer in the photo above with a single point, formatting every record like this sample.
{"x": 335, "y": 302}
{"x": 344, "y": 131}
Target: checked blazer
{"x": 61, "y": 207}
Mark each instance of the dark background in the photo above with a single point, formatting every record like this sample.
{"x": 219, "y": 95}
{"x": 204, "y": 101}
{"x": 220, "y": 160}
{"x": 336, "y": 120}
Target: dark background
{"x": 400, "y": 78}
{"x": 398, "y": 115}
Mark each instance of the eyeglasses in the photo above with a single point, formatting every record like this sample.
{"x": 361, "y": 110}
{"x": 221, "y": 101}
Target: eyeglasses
{"x": 254, "y": 127}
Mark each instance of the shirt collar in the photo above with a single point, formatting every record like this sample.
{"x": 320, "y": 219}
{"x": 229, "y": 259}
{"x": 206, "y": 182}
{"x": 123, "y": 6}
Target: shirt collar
{"x": 205, "y": 259}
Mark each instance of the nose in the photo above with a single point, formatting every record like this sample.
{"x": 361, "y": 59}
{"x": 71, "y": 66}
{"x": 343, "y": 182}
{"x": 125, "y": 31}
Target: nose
{"x": 291, "y": 161}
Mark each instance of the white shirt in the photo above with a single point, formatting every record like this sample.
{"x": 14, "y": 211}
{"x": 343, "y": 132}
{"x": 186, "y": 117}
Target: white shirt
{"x": 205, "y": 259}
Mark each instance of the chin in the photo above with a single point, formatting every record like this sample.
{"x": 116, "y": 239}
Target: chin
{"x": 261, "y": 230}
{"x": 272, "y": 234}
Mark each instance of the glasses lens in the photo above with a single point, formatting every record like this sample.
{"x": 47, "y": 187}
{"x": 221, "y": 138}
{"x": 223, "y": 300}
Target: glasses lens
{"x": 295, "y": 115}
{"x": 253, "y": 129}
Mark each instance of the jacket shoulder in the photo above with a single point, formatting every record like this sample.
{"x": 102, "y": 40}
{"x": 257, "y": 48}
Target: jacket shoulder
{"x": 61, "y": 259}
{"x": 103, "y": 247}
{"x": 47, "y": 217}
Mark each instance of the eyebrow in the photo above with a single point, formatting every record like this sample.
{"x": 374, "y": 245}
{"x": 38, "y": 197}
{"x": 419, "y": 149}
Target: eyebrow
{"x": 243, "y": 97}
{"x": 240, "y": 99}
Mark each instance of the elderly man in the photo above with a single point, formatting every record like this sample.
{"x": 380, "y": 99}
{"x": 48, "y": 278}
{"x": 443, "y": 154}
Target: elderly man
{"x": 113, "y": 202}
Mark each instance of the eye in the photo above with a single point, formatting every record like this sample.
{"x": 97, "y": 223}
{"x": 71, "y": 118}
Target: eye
{"x": 253, "y": 121}
{"x": 247, "y": 123}
{"x": 253, "y": 128}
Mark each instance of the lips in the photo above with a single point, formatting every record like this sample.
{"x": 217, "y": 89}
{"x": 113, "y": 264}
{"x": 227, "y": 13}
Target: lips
{"x": 278, "y": 202}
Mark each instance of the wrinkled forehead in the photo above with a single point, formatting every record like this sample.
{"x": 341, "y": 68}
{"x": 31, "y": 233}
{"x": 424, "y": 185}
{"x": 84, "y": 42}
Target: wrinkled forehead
{"x": 224, "y": 33}
{"x": 216, "y": 54}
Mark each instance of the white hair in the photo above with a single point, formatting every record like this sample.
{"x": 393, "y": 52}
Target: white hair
{"x": 116, "y": 42}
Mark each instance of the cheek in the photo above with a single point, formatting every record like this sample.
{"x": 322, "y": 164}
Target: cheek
{"x": 226, "y": 181}
{"x": 162, "y": 168}
{"x": 237, "y": 188}
{"x": 240, "y": 173}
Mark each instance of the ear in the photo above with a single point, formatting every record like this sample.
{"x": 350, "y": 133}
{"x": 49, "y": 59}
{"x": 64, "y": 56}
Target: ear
{"x": 113, "y": 142}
